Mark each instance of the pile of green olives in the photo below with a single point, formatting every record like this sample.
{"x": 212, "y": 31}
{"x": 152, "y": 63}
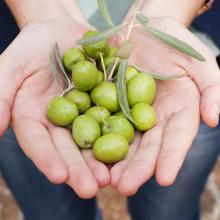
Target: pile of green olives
{"x": 92, "y": 109}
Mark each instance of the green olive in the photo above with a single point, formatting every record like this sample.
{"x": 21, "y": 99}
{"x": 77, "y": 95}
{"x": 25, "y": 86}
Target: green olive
{"x": 141, "y": 88}
{"x": 120, "y": 113}
{"x": 144, "y": 115}
{"x": 85, "y": 131}
{"x": 84, "y": 75}
{"x": 71, "y": 57}
{"x": 130, "y": 73}
{"x": 104, "y": 94}
{"x": 111, "y": 51}
{"x": 99, "y": 113}
{"x": 110, "y": 148}
{"x": 107, "y": 62}
{"x": 61, "y": 111}
{"x": 94, "y": 50}
{"x": 100, "y": 77}
{"x": 120, "y": 125}
{"x": 81, "y": 99}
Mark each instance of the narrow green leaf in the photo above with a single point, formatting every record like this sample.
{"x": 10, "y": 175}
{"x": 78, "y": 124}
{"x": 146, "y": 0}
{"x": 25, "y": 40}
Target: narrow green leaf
{"x": 175, "y": 43}
{"x": 161, "y": 77}
{"x": 124, "y": 51}
{"x": 142, "y": 18}
{"x": 103, "y": 7}
{"x": 102, "y": 36}
{"x": 122, "y": 91}
{"x": 136, "y": 2}
{"x": 56, "y": 74}
{"x": 164, "y": 78}
{"x": 60, "y": 63}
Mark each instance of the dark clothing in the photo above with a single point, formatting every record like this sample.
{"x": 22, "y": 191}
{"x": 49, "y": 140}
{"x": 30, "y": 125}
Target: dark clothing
{"x": 210, "y": 22}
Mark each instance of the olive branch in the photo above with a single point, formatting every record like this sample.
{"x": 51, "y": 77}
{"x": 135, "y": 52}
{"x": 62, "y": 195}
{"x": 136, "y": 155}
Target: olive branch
{"x": 138, "y": 20}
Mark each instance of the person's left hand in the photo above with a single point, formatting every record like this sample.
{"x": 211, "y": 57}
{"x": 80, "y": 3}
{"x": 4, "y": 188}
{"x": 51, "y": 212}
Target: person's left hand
{"x": 162, "y": 150}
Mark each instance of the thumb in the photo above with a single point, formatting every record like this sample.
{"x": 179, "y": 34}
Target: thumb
{"x": 10, "y": 80}
{"x": 207, "y": 77}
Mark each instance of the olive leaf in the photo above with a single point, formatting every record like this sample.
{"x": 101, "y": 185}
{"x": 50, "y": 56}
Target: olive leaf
{"x": 136, "y": 2}
{"x": 165, "y": 78}
{"x": 103, "y": 7}
{"x": 125, "y": 50}
{"x": 58, "y": 76}
{"x": 60, "y": 64}
{"x": 101, "y": 36}
{"x": 122, "y": 91}
{"x": 175, "y": 43}
{"x": 161, "y": 77}
{"x": 142, "y": 18}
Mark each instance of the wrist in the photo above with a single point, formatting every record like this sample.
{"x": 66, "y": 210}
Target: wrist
{"x": 31, "y": 11}
{"x": 183, "y": 11}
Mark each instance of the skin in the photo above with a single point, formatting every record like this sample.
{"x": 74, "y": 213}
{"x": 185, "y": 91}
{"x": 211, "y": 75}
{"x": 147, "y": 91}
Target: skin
{"x": 25, "y": 95}
{"x": 167, "y": 159}
{"x": 161, "y": 150}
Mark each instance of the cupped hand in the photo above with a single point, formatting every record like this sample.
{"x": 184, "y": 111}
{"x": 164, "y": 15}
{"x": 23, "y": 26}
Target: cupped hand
{"x": 26, "y": 86}
{"x": 151, "y": 54}
{"x": 161, "y": 150}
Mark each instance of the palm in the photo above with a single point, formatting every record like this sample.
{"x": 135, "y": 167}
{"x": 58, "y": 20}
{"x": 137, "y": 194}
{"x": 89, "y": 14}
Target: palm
{"x": 51, "y": 148}
{"x": 160, "y": 58}
{"x": 161, "y": 151}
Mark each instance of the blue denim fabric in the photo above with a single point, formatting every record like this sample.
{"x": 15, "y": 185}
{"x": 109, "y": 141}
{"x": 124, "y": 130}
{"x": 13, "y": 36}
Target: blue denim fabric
{"x": 38, "y": 198}
{"x": 180, "y": 201}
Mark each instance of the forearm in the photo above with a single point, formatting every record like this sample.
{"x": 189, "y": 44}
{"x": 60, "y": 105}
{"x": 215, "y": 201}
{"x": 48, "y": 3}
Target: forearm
{"x": 27, "y": 11}
{"x": 182, "y": 10}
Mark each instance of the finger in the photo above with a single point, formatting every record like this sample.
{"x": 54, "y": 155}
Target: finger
{"x": 118, "y": 168}
{"x": 142, "y": 165}
{"x": 210, "y": 104}
{"x": 205, "y": 74}
{"x": 37, "y": 145}
{"x": 9, "y": 80}
{"x": 177, "y": 139}
{"x": 80, "y": 177}
{"x": 99, "y": 170}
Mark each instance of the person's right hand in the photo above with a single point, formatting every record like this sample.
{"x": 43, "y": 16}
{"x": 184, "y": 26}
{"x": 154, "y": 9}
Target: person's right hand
{"x": 26, "y": 86}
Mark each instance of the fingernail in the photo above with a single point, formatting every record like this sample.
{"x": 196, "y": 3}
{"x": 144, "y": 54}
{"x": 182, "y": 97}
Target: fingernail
{"x": 216, "y": 111}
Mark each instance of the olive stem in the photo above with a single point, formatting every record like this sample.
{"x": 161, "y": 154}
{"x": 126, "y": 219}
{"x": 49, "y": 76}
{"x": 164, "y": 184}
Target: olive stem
{"x": 113, "y": 68}
{"x": 103, "y": 119}
{"x": 122, "y": 37}
{"x": 103, "y": 65}
{"x": 70, "y": 87}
